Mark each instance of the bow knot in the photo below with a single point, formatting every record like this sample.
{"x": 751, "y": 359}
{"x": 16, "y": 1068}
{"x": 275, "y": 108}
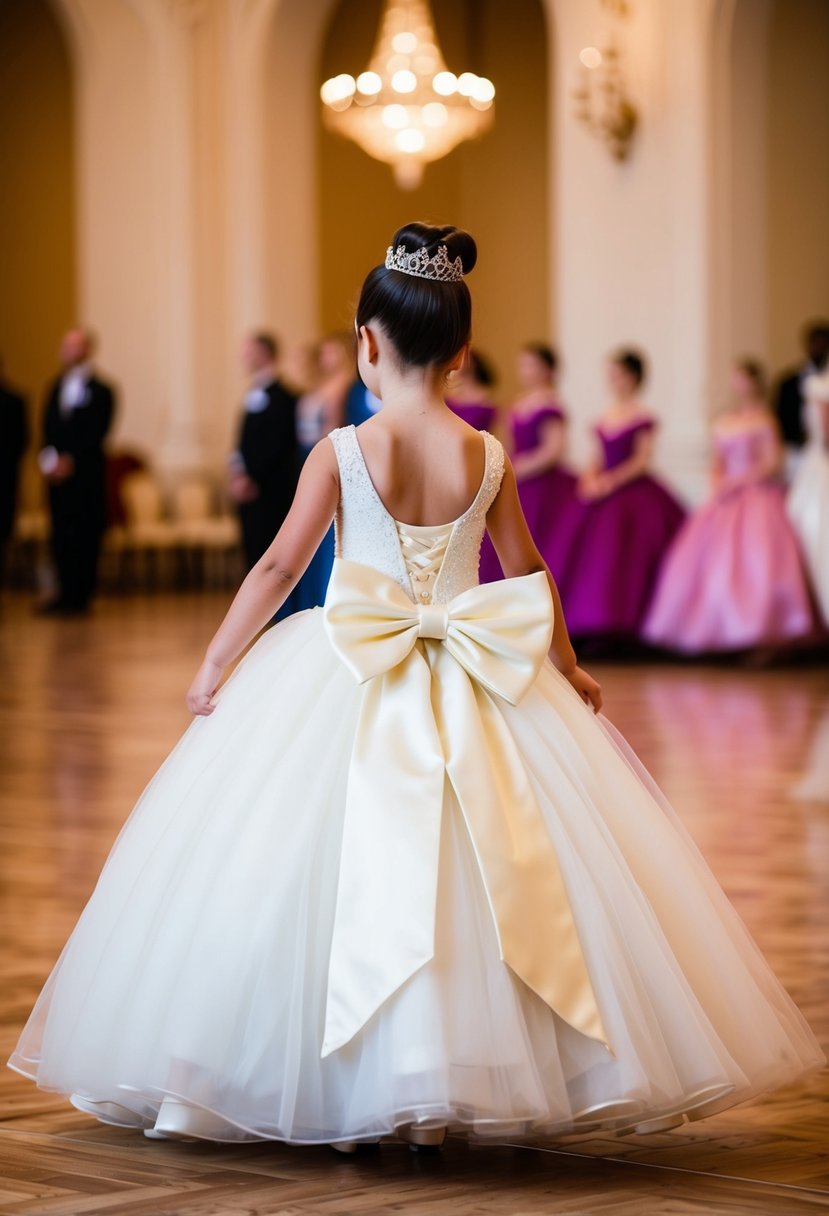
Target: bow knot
{"x": 433, "y": 621}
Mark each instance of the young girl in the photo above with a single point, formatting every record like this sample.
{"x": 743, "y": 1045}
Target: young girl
{"x": 734, "y": 577}
{"x": 546, "y": 488}
{"x": 396, "y": 877}
{"x": 617, "y": 536}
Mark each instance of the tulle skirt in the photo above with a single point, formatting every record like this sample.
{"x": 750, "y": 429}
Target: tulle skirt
{"x": 614, "y": 549}
{"x": 733, "y": 578}
{"x": 198, "y": 969}
{"x": 808, "y": 508}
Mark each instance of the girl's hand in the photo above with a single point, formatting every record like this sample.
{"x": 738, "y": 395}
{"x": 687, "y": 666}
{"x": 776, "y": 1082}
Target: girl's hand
{"x": 200, "y": 698}
{"x": 587, "y": 688}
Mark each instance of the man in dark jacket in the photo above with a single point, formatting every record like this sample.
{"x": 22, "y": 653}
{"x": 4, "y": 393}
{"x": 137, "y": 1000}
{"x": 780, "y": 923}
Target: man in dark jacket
{"x": 14, "y": 436}
{"x": 789, "y": 403}
{"x": 78, "y": 415}
{"x": 264, "y": 469}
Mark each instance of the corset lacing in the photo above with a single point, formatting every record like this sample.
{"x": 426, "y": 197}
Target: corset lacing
{"x": 424, "y": 548}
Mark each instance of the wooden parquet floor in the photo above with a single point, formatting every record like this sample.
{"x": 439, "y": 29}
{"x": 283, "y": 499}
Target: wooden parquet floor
{"x": 87, "y": 711}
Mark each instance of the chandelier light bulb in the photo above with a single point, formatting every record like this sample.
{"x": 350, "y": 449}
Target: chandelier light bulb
{"x": 369, "y": 83}
{"x": 395, "y": 117}
{"x": 410, "y": 140}
{"x": 338, "y": 89}
{"x": 445, "y": 84}
{"x": 435, "y": 114}
{"x": 404, "y": 43}
{"x": 404, "y": 81}
{"x": 483, "y": 90}
{"x": 466, "y": 84}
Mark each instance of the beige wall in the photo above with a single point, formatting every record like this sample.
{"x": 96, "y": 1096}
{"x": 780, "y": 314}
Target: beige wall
{"x": 797, "y": 173}
{"x": 496, "y": 187}
{"x": 37, "y": 209}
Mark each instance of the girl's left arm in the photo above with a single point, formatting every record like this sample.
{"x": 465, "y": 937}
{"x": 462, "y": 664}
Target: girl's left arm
{"x": 275, "y": 575}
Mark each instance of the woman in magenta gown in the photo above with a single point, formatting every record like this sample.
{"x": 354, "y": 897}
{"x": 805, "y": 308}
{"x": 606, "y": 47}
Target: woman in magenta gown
{"x": 618, "y": 532}
{"x": 734, "y": 577}
{"x": 470, "y": 393}
{"x": 538, "y": 433}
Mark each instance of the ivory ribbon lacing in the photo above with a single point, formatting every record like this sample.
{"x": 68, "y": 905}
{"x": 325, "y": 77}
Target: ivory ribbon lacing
{"x": 430, "y": 712}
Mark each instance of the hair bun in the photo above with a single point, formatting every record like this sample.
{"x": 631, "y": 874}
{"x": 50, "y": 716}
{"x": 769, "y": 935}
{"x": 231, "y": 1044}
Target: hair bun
{"x": 459, "y": 244}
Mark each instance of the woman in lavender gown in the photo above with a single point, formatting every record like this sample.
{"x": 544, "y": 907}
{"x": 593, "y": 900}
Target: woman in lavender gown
{"x": 734, "y": 577}
{"x": 619, "y": 531}
{"x": 538, "y": 433}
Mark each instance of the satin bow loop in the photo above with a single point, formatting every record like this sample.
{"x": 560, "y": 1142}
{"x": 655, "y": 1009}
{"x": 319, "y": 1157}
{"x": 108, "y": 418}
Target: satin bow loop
{"x": 434, "y": 676}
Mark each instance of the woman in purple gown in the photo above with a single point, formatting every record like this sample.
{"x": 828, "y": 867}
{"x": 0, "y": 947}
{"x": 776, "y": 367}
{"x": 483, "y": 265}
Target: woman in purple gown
{"x": 538, "y": 433}
{"x": 734, "y": 577}
{"x": 620, "y": 528}
{"x": 470, "y": 393}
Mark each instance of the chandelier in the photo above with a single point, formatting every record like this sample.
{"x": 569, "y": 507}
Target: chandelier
{"x": 407, "y": 108}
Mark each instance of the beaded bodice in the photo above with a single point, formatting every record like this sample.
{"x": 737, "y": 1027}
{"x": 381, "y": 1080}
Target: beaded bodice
{"x": 432, "y": 563}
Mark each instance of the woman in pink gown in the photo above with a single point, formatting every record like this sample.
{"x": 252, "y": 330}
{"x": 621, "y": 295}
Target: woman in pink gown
{"x": 538, "y": 433}
{"x": 617, "y": 534}
{"x": 734, "y": 578}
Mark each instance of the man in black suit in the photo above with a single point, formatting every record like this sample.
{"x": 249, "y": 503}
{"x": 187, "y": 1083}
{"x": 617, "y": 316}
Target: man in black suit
{"x": 14, "y": 436}
{"x": 790, "y": 389}
{"x": 78, "y": 415}
{"x": 264, "y": 469}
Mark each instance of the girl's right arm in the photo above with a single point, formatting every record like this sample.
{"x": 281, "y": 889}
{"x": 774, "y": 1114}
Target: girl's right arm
{"x": 275, "y": 575}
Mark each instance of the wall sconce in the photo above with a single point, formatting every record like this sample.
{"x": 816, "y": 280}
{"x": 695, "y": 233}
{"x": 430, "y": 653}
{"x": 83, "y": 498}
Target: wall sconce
{"x": 602, "y": 101}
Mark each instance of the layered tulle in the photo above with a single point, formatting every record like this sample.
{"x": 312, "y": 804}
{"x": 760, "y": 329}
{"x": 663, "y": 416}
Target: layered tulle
{"x": 734, "y": 577}
{"x": 198, "y": 969}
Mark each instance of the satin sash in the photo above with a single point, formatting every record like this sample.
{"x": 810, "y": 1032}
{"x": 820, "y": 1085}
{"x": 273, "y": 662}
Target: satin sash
{"x": 430, "y": 713}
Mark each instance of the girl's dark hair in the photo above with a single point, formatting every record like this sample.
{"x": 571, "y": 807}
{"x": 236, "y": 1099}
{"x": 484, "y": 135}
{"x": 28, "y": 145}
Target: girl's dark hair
{"x": 753, "y": 369}
{"x": 480, "y": 369}
{"x": 427, "y": 321}
{"x": 632, "y": 362}
{"x": 543, "y": 352}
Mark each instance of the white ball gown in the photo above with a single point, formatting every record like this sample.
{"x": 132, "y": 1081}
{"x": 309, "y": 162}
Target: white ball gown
{"x": 403, "y": 874}
{"x": 808, "y": 499}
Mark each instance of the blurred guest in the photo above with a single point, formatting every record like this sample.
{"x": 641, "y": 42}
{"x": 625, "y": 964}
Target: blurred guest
{"x": 808, "y": 501}
{"x": 734, "y": 577}
{"x": 623, "y": 521}
{"x": 320, "y": 411}
{"x": 790, "y": 399}
{"x": 538, "y": 434}
{"x": 263, "y": 471}
{"x": 78, "y": 415}
{"x": 469, "y": 394}
{"x": 360, "y": 404}
{"x": 14, "y": 436}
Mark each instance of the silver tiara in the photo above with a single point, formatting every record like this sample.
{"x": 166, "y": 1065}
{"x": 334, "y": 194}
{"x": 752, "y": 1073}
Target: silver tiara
{"x": 422, "y": 266}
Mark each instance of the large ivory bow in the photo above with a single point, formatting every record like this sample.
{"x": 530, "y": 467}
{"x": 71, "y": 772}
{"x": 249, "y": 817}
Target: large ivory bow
{"x": 430, "y": 712}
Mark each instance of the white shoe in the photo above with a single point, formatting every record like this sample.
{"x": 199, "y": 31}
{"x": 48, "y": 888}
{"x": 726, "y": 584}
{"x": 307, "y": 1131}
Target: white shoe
{"x": 108, "y": 1112}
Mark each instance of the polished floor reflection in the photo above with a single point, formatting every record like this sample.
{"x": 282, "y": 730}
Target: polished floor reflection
{"x": 88, "y": 708}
